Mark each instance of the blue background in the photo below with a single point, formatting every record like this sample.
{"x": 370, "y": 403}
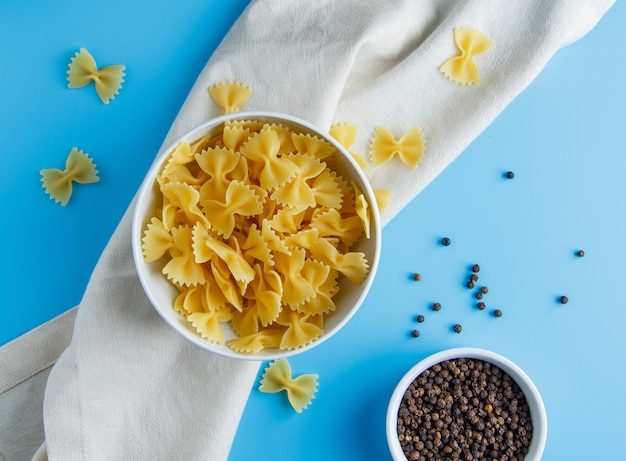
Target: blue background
{"x": 564, "y": 137}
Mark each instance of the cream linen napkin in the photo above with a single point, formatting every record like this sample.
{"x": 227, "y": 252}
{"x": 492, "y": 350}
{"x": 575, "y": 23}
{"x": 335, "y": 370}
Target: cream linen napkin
{"x": 128, "y": 387}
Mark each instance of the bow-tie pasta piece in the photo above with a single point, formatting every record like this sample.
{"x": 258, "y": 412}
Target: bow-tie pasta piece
{"x": 208, "y": 324}
{"x": 462, "y": 69}
{"x": 230, "y": 96}
{"x": 83, "y": 70}
{"x": 409, "y": 148}
{"x": 301, "y": 329}
{"x": 300, "y": 390}
{"x": 254, "y": 228}
{"x": 345, "y": 134}
{"x": 78, "y": 168}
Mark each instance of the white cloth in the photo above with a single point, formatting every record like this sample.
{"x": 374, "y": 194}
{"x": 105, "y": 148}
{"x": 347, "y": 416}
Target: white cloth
{"x": 128, "y": 387}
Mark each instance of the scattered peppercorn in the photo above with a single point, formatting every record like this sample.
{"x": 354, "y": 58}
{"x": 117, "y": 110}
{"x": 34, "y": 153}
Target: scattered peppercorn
{"x": 458, "y": 328}
{"x": 470, "y": 284}
{"x": 481, "y": 306}
{"x": 464, "y": 409}
{"x": 497, "y": 313}
{"x": 474, "y": 278}
{"x": 475, "y": 268}
{"x": 563, "y": 299}
{"x": 479, "y": 295}
{"x": 445, "y": 241}
{"x": 415, "y": 333}
{"x": 580, "y": 253}
{"x": 484, "y": 290}
{"x": 417, "y": 277}
{"x": 420, "y": 318}
{"x": 510, "y": 174}
{"x": 436, "y": 307}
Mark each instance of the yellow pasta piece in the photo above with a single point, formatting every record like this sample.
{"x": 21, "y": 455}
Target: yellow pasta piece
{"x": 231, "y": 291}
{"x": 185, "y": 198}
{"x": 217, "y": 163}
{"x": 230, "y": 96}
{"x": 383, "y": 198}
{"x": 284, "y": 138}
{"x": 182, "y": 268}
{"x": 266, "y": 290}
{"x": 83, "y": 70}
{"x": 157, "y": 240}
{"x": 321, "y": 303}
{"x": 181, "y": 155}
{"x": 461, "y": 68}
{"x": 363, "y": 212}
{"x": 190, "y": 300}
{"x": 263, "y": 148}
{"x": 409, "y": 148}
{"x": 345, "y": 134}
{"x": 246, "y": 322}
{"x": 287, "y": 221}
{"x": 330, "y": 223}
{"x": 300, "y": 390}
{"x": 296, "y": 289}
{"x": 234, "y": 135}
{"x": 351, "y": 264}
{"x": 208, "y": 324}
{"x": 239, "y": 199}
{"x": 296, "y": 193}
{"x": 78, "y": 168}
{"x": 256, "y": 248}
{"x": 327, "y": 190}
{"x": 312, "y": 145}
{"x": 300, "y": 329}
{"x": 206, "y": 246}
{"x": 255, "y": 342}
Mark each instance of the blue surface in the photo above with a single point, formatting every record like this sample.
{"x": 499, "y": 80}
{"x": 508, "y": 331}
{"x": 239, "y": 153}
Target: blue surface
{"x": 563, "y": 138}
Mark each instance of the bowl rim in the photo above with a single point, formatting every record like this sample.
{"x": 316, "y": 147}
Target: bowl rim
{"x": 196, "y": 132}
{"x": 531, "y": 393}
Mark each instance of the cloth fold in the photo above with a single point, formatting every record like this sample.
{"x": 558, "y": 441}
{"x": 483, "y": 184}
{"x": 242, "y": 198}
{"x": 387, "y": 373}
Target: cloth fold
{"x": 128, "y": 387}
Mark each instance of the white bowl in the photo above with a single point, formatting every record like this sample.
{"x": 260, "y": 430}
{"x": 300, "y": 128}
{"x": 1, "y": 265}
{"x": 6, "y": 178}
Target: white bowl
{"x": 533, "y": 398}
{"x": 162, "y": 293}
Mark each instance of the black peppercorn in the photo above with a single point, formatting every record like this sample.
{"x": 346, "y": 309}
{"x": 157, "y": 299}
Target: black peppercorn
{"x": 563, "y": 299}
{"x": 474, "y": 278}
{"x": 484, "y": 290}
{"x": 458, "y": 328}
{"x": 417, "y": 277}
{"x": 445, "y": 241}
{"x": 415, "y": 333}
{"x": 510, "y": 174}
{"x": 470, "y": 284}
{"x": 481, "y": 306}
{"x": 436, "y": 307}
{"x": 497, "y": 313}
{"x": 580, "y": 253}
{"x": 420, "y": 318}
{"x": 479, "y": 295}
{"x": 475, "y": 268}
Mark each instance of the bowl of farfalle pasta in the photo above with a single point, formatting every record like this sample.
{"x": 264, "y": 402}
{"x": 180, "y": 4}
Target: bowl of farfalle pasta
{"x": 256, "y": 235}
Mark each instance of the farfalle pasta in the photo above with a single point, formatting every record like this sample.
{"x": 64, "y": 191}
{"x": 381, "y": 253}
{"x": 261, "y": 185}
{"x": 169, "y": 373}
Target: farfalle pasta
{"x": 462, "y": 69}
{"x": 230, "y": 96}
{"x": 83, "y": 70}
{"x": 409, "y": 148}
{"x": 254, "y": 228}
{"x": 300, "y": 390}
{"x": 79, "y": 168}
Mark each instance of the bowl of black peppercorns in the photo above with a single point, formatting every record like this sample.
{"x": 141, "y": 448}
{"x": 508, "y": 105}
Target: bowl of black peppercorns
{"x": 466, "y": 404}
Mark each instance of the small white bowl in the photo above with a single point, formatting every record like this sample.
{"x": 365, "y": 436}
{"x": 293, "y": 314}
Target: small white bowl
{"x": 533, "y": 398}
{"x": 162, "y": 293}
